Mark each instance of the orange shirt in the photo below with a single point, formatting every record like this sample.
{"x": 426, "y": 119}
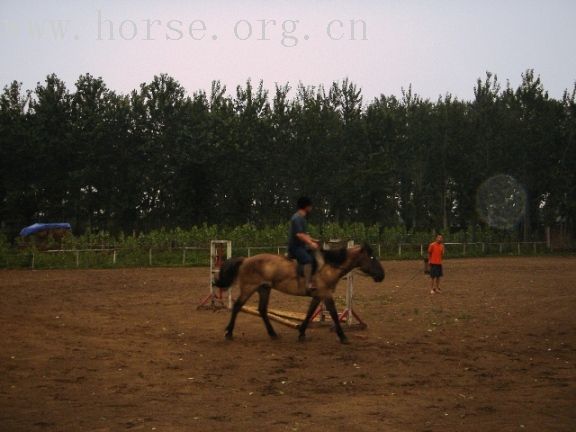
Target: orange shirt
{"x": 435, "y": 253}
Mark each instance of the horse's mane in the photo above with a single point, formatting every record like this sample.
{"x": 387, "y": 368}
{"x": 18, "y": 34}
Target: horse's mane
{"x": 335, "y": 257}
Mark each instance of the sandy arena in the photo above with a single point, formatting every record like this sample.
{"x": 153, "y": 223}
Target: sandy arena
{"x": 115, "y": 350}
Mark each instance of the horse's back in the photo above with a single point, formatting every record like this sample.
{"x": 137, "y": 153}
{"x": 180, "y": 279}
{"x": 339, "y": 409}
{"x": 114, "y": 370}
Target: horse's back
{"x": 269, "y": 267}
{"x": 267, "y": 260}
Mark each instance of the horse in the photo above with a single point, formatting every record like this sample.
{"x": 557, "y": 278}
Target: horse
{"x": 264, "y": 272}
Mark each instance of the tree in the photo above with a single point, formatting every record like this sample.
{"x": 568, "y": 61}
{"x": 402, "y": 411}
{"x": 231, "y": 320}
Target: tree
{"x": 161, "y": 158}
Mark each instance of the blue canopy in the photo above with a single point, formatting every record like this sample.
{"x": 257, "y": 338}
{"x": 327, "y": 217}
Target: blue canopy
{"x": 37, "y": 227}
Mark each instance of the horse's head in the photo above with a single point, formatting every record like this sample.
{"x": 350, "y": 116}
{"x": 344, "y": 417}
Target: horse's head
{"x": 370, "y": 264}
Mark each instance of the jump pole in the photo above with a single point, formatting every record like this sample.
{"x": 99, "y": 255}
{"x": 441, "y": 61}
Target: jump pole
{"x": 289, "y": 322}
{"x": 217, "y": 298}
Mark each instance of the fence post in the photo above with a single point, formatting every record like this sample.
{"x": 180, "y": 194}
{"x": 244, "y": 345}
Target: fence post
{"x": 114, "y": 257}
{"x": 519, "y": 248}
{"x": 534, "y": 247}
{"x": 33, "y": 260}
{"x": 483, "y": 247}
{"x": 379, "y": 250}
{"x": 400, "y": 250}
{"x": 150, "y": 256}
{"x": 249, "y": 252}
{"x": 421, "y": 250}
{"x": 184, "y": 256}
{"x": 77, "y": 259}
{"x": 500, "y": 248}
{"x": 278, "y": 249}
{"x": 464, "y": 249}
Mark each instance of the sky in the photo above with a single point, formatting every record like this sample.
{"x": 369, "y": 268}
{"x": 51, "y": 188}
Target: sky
{"x": 437, "y": 46}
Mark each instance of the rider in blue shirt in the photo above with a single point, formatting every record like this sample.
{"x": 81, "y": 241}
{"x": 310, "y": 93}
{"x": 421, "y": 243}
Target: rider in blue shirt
{"x": 299, "y": 241}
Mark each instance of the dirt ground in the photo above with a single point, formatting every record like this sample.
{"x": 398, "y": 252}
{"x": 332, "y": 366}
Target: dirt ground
{"x": 114, "y": 350}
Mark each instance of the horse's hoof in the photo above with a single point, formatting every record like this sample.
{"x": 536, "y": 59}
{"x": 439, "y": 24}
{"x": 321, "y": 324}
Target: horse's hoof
{"x": 302, "y": 338}
{"x": 274, "y": 337}
{"x": 229, "y": 337}
{"x": 344, "y": 341}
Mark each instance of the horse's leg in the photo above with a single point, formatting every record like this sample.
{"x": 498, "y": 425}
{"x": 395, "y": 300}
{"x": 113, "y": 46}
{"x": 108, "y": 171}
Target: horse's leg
{"x": 311, "y": 309}
{"x": 329, "y": 302}
{"x": 264, "y": 293}
{"x": 242, "y": 298}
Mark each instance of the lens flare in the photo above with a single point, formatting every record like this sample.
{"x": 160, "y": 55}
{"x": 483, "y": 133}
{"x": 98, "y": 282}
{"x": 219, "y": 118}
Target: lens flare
{"x": 501, "y": 201}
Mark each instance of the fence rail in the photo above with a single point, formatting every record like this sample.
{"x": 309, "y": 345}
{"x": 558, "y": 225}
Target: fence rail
{"x": 465, "y": 249}
{"x": 194, "y": 255}
{"x": 114, "y": 253}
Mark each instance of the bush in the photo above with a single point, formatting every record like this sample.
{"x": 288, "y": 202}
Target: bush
{"x": 133, "y": 250}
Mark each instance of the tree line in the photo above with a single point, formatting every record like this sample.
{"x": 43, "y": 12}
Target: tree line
{"x": 159, "y": 157}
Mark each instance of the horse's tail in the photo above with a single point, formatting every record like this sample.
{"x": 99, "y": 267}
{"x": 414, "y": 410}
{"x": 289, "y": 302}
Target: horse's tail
{"x": 228, "y": 272}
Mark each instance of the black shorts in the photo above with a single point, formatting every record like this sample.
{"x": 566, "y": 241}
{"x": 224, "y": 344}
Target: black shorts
{"x": 436, "y": 271}
{"x": 301, "y": 254}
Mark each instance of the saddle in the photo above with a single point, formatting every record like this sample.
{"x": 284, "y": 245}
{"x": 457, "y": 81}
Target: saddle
{"x": 300, "y": 267}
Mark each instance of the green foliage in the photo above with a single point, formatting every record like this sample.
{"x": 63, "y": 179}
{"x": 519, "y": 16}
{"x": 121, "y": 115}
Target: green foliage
{"x": 4, "y": 251}
{"x": 190, "y": 247}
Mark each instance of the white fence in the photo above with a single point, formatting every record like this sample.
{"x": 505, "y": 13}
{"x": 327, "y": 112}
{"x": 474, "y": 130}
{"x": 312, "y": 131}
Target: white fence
{"x": 464, "y": 249}
{"x": 253, "y": 250}
{"x": 114, "y": 253}
{"x": 403, "y": 250}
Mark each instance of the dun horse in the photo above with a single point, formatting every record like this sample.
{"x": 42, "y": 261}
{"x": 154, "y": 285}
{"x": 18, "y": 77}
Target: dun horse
{"x": 264, "y": 272}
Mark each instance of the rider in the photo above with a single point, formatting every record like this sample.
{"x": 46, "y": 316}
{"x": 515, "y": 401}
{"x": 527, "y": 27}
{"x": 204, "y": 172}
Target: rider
{"x": 300, "y": 242}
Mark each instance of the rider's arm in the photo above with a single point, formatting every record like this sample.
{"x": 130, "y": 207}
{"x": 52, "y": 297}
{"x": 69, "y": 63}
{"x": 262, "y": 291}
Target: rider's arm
{"x": 306, "y": 239}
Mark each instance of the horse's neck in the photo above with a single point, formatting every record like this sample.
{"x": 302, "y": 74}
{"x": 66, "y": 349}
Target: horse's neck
{"x": 349, "y": 265}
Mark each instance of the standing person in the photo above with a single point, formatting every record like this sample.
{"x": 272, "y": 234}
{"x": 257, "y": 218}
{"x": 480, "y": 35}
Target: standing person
{"x": 299, "y": 241}
{"x": 435, "y": 256}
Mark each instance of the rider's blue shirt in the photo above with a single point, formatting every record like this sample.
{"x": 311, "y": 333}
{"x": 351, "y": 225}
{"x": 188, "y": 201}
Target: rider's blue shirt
{"x": 298, "y": 224}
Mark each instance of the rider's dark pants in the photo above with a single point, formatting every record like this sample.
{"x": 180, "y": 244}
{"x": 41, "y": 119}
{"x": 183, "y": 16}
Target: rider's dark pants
{"x": 301, "y": 254}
